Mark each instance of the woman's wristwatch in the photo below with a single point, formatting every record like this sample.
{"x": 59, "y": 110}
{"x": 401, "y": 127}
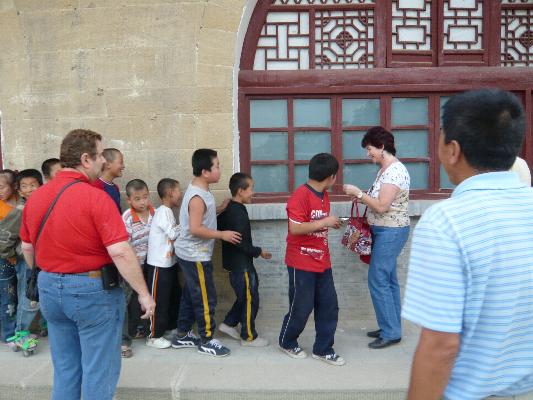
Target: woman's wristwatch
{"x": 359, "y": 195}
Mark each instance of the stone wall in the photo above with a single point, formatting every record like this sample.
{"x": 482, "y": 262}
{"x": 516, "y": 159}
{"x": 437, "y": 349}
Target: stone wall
{"x": 154, "y": 76}
{"x": 157, "y": 79}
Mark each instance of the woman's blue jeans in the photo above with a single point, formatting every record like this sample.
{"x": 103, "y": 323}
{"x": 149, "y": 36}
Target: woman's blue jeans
{"x": 387, "y": 243}
{"x": 85, "y": 332}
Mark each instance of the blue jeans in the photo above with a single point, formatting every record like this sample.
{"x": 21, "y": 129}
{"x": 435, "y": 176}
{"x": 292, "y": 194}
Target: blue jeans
{"x": 85, "y": 331}
{"x": 26, "y": 309}
{"x": 387, "y": 243}
{"x": 8, "y": 299}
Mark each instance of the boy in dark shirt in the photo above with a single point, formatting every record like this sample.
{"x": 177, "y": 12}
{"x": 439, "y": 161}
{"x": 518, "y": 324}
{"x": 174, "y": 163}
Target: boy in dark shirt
{"x": 238, "y": 260}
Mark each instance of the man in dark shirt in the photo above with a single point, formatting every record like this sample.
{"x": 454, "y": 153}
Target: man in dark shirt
{"x": 238, "y": 260}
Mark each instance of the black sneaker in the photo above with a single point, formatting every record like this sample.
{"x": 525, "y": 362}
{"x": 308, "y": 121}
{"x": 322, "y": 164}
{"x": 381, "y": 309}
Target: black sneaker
{"x": 187, "y": 341}
{"x": 213, "y": 348}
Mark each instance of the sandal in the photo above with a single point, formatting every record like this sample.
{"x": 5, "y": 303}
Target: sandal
{"x": 126, "y": 352}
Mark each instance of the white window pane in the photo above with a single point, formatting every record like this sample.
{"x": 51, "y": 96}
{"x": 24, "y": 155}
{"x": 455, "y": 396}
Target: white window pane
{"x": 269, "y": 146}
{"x": 411, "y": 144}
{"x": 445, "y": 180}
{"x": 268, "y": 113}
{"x": 409, "y": 111}
{"x": 270, "y": 178}
{"x": 301, "y": 175}
{"x": 419, "y": 174}
{"x": 312, "y": 112}
{"x": 307, "y": 144}
{"x": 360, "y": 175}
{"x": 351, "y": 145}
{"x": 360, "y": 112}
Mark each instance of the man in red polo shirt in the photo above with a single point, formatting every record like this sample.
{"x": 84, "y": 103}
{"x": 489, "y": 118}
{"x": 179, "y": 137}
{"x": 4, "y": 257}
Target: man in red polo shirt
{"x": 83, "y": 233}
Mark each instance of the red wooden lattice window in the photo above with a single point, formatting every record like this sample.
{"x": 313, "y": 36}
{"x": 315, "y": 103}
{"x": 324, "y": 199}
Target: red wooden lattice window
{"x": 314, "y": 77}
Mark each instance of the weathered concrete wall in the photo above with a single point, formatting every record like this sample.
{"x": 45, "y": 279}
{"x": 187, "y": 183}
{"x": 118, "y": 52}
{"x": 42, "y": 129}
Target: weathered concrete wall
{"x": 154, "y": 76}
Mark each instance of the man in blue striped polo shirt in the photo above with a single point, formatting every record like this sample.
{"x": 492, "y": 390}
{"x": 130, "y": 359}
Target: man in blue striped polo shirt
{"x": 470, "y": 281}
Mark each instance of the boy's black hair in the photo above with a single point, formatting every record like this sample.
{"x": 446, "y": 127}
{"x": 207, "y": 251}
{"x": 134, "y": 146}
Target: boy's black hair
{"x": 47, "y": 165}
{"x": 30, "y": 173}
{"x": 322, "y": 166}
{"x": 10, "y": 175}
{"x": 135, "y": 184}
{"x": 165, "y": 185}
{"x": 110, "y": 154}
{"x": 202, "y": 159}
{"x": 239, "y": 180}
{"x": 488, "y": 124}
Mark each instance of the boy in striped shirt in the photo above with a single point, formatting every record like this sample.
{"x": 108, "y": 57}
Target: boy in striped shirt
{"x": 138, "y": 220}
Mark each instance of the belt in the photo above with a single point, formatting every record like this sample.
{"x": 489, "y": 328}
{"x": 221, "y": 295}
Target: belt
{"x": 90, "y": 274}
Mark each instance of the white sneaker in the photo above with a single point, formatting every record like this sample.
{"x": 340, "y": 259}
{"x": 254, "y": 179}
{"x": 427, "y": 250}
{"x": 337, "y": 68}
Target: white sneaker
{"x": 331, "y": 359}
{"x": 230, "y": 331}
{"x": 257, "y": 342}
{"x": 158, "y": 343}
{"x": 296, "y": 352}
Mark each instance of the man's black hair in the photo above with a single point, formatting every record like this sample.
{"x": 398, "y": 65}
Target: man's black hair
{"x": 239, "y": 180}
{"x": 488, "y": 124}
{"x": 165, "y": 185}
{"x": 30, "y": 173}
{"x": 202, "y": 159}
{"x": 47, "y": 165}
{"x": 322, "y": 166}
{"x": 135, "y": 184}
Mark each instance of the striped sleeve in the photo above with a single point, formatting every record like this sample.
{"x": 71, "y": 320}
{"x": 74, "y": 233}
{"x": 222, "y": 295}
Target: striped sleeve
{"x": 435, "y": 291}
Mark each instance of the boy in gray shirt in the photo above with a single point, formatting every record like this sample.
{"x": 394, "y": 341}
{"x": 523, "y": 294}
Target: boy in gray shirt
{"x": 194, "y": 248}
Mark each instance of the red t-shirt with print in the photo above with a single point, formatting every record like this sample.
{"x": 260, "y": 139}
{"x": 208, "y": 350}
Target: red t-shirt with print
{"x": 308, "y": 252}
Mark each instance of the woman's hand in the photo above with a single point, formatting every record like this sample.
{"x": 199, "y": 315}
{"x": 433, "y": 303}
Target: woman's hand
{"x": 351, "y": 190}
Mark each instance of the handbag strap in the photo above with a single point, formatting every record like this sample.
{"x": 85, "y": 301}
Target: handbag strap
{"x": 355, "y": 204}
{"x": 50, "y": 210}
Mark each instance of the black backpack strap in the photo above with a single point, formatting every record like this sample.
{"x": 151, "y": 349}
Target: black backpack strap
{"x": 52, "y": 206}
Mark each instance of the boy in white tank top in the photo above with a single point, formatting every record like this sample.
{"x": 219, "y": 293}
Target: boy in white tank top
{"x": 194, "y": 249}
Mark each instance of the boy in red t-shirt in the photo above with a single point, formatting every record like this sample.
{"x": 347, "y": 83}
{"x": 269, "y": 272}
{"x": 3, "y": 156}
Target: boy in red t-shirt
{"x": 309, "y": 266}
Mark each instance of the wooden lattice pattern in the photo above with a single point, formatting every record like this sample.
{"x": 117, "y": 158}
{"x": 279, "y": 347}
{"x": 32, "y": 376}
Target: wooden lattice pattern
{"x": 320, "y": 2}
{"x": 344, "y": 39}
{"x": 411, "y": 24}
{"x": 463, "y": 25}
{"x": 517, "y": 37}
{"x": 284, "y": 42}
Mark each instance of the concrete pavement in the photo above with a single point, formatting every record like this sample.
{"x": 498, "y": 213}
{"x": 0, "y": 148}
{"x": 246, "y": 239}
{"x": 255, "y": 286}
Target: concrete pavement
{"x": 248, "y": 373}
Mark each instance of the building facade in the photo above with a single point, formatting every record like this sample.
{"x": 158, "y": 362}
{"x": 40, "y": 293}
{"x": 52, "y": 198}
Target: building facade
{"x": 266, "y": 83}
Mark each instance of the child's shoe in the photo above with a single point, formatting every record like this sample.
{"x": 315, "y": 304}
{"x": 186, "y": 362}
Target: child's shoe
{"x": 187, "y": 341}
{"x": 213, "y": 348}
{"x": 332, "y": 359}
{"x": 295, "y": 352}
{"x": 257, "y": 342}
{"x": 230, "y": 331}
{"x": 158, "y": 343}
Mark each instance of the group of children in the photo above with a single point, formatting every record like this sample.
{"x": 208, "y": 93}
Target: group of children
{"x": 17, "y": 312}
{"x": 164, "y": 248}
